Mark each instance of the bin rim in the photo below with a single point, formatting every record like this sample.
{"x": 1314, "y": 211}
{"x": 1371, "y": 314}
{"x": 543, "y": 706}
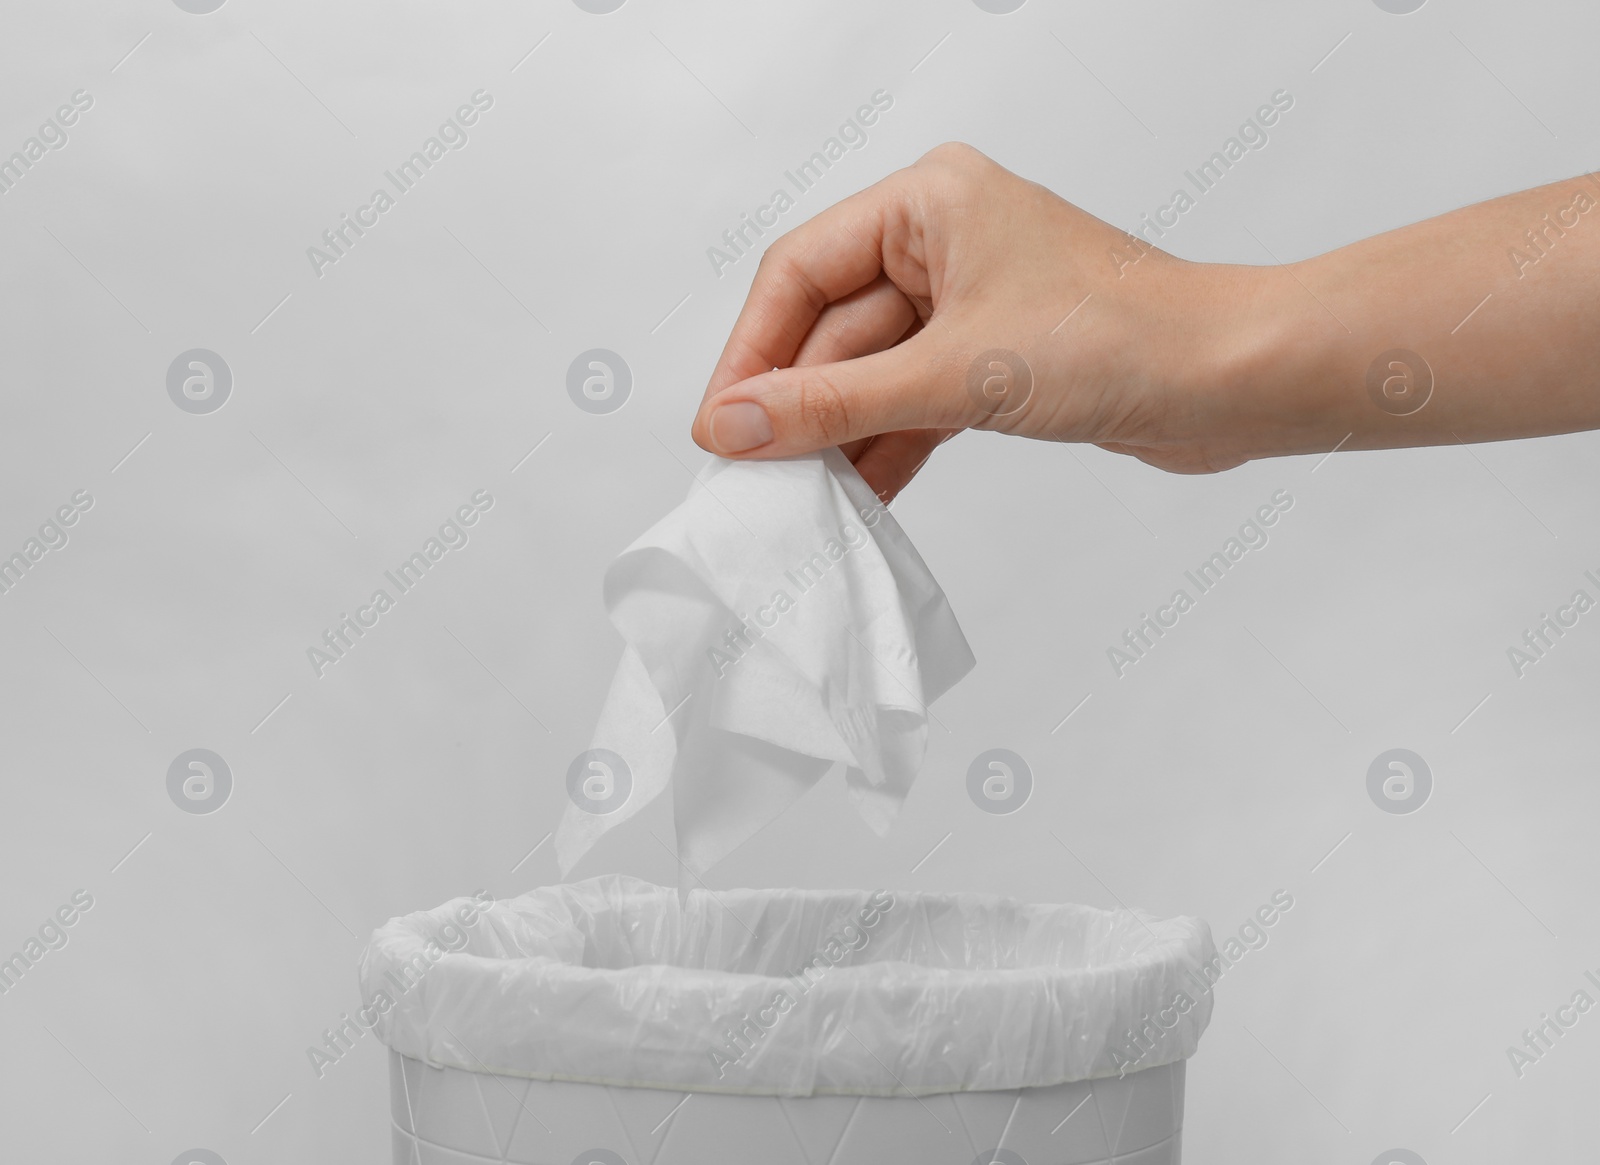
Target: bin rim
{"x": 987, "y": 1026}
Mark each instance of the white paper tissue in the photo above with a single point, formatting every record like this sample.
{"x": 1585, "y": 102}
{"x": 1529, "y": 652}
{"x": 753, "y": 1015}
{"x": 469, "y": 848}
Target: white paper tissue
{"x": 776, "y": 623}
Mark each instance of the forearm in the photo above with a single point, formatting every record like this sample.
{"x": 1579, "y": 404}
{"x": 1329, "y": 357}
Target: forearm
{"x": 1498, "y": 304}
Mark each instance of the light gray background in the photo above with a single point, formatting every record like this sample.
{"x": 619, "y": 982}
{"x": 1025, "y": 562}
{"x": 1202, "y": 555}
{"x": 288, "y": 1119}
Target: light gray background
{"x": 369, "y": 403}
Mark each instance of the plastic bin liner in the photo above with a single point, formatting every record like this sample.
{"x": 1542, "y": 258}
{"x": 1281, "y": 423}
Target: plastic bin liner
{"x": 788, "y": 992}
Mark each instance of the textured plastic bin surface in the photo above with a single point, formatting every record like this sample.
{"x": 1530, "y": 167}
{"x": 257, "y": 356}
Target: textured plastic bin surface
{"x": 788, "y": 992}
{"x": 609, "y": 1023}
{"x": 446, "y": 1116}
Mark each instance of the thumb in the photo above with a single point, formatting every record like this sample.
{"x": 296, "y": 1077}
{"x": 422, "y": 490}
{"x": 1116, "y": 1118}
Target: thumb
{"x": 788, "y": 411}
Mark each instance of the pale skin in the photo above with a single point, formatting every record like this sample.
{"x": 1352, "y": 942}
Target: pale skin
{"x": 862, "y": 327}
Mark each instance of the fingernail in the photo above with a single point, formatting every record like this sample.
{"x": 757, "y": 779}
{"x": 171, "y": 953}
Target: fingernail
{"x": 739, "y": 426}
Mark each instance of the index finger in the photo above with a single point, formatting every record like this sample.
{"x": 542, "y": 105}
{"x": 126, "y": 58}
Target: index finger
{"x": 837, "y": 252}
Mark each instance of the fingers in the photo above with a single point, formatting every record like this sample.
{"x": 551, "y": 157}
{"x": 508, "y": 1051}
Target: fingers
{"x": 796, "y": 410}
{"x": 819, "y": 262}
{"x": 892, "y": 460}
{"x": 813, "y": 361}
{"x": 863, "y": 322}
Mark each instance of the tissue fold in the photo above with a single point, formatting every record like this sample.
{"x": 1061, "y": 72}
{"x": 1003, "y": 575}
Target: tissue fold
{"x": 776, "y": 623}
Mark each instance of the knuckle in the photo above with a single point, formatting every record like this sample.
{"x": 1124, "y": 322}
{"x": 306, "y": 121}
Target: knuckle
{"x": 953, "y": 171}
{"x": 772, "y": 257}
{"x": 779, "y": 256}
{"x": 951, "y": 151}
{"x": 782, "y": 264}
{"x": 954, "y": 156}
{"x": 822, "y": 407}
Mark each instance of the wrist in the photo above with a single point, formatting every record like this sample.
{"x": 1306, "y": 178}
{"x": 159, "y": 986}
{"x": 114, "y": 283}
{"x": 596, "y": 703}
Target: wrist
{"x": 1270, "y": 382}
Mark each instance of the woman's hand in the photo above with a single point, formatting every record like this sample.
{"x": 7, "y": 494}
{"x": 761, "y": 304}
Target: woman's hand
{"x": 865, "y": 327}
{"x": 954, "y": 295}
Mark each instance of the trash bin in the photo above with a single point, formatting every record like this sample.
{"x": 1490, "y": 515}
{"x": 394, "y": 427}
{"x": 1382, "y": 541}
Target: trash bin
{"x": 610, "y": 1022}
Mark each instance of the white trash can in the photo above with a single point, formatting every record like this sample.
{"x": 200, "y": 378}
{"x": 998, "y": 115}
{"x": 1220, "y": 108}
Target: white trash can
{"x": 606, "y": 1023}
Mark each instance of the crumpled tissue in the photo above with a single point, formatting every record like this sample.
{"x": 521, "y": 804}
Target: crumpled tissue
{"x": 776, "y": 624}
